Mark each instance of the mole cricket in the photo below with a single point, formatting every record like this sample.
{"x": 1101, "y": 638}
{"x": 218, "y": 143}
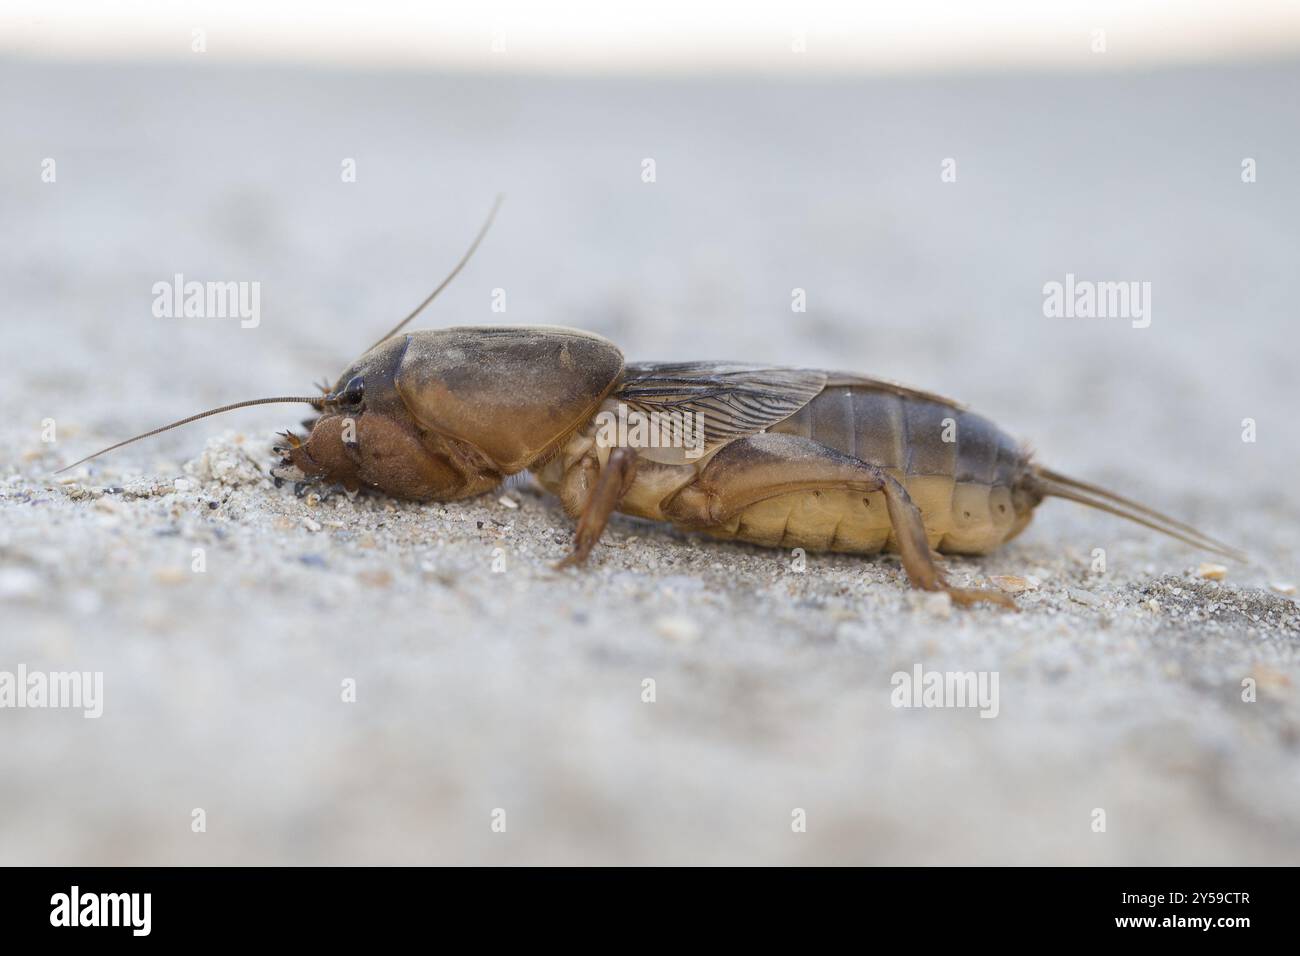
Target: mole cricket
{"x": 782, "y": 457}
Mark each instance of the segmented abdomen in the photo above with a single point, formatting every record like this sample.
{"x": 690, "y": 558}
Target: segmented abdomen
{"x": 958, "y": 467}
{"x": 907, "y": 435}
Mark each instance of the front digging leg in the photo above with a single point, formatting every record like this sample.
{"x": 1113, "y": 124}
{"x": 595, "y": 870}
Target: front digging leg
{"x": 614, "y": 481}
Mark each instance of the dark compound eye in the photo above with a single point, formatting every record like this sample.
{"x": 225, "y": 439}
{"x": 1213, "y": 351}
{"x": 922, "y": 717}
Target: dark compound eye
{"x": 353, "y": 392}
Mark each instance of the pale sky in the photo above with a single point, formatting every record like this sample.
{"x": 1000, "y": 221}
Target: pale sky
{"x": 696, "y": 36}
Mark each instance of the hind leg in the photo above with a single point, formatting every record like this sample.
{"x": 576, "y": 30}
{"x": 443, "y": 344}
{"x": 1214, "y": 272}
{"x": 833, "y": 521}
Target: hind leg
{"x": 764, "y": 466}
{"x": 918, "y": 559}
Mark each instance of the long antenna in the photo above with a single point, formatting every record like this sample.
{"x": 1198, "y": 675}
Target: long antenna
{"x": 454, "y": 272}
{"x": 193, "y": 418}
{"x": 298, "y": 399}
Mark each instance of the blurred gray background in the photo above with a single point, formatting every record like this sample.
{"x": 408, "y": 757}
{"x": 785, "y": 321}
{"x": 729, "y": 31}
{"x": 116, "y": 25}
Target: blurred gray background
{"x": 522, "y": 690}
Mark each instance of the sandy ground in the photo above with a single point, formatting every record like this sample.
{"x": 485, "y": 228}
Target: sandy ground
{"x": 484, "y": 679}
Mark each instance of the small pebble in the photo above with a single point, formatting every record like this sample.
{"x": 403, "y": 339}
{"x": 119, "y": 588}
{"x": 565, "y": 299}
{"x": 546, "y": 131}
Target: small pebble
{"x": 1212, "y": 572}
{"x": 937, "y": 604}
{"x": 678, "y": 628}
{"x": 85, "y": 602}
{"x": 183, "y": 484}
{"x": 1269, "y": 678}
{"x": 508, "y": 502}
{"x": 19, "y": 583}
{"x": 310, "y": 524}
{"x": 1080, "y": 596}
{"x": 1283, "y": 587}
{"x": 1013, "y": 584}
